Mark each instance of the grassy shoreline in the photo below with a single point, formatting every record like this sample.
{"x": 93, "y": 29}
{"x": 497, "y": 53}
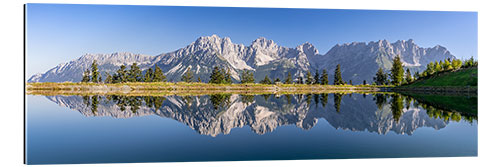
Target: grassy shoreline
{"x": 167, "y": 88}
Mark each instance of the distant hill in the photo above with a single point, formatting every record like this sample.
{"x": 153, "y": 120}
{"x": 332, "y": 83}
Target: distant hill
{"x": 359, "y": 60}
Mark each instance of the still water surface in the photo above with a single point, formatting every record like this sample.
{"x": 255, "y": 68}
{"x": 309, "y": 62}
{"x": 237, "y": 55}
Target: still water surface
{"x": 228, "y": 127}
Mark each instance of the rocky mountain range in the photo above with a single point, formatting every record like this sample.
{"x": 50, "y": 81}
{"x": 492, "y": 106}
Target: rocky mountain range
{"x": 215, "y": 115}
{"x": 359, "y": 60}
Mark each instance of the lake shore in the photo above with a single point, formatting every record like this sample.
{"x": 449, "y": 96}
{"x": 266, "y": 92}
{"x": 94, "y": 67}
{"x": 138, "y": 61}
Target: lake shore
{"x": 166, "y": 88}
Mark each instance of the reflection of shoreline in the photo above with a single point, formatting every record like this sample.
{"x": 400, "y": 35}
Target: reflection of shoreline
{"x": 218, "y": 114}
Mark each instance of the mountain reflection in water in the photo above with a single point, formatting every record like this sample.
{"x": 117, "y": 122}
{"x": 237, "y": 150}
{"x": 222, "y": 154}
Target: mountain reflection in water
{"x": 219, "y": 113}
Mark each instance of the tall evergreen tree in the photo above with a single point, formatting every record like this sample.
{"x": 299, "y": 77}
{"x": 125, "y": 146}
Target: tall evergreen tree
{"x": 95, "y": 72}
{"x": 300, "y": 80}
{"x": 149, "y": 75}
{"x": 364, "y": 82}
{"x": 350, "y": 82}
{"x": 121, "y": 74}
{"x": 217, "y": 76}
{"x": 134, "y": 73}
{"x": 109, "y": 78}
{"x": 276, "y": 81}
{"x": 309, "y": 78}
{"x": 324, "y": 77}
{"x": 266, "y": 80}
{"x": 408, "y": 76}
{"x": 456, "y": 64}
{"x": 288, "y": 79}
{"x": 247, "y": 77}
{"x": 199, "y": 79}
{"x": 86, "y": 76}
{"x": 188, "y": 76}
{"x": 316, "y": 78}
{"x": 380, "y": 77}
{"x": 226, "y": 76}
{"x": 158, "y": 75}
{"x": 338, "y": 76}
{"x": 397, "y": 71}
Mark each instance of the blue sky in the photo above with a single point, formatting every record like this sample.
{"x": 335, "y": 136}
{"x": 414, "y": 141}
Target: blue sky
{"x": 58, "y": 33}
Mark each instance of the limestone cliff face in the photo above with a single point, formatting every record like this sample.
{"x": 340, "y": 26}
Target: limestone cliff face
{"x": 359, "y": 60}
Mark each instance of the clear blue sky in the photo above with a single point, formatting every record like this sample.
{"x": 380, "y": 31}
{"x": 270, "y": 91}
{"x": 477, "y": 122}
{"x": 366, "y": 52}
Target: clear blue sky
{"x": 59, "y": 33}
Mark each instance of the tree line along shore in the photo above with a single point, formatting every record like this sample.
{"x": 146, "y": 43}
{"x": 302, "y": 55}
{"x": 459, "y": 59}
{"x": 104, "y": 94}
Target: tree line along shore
{"x": 220, "y": 79}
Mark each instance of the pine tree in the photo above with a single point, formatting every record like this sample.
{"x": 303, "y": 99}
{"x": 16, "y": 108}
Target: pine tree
{"x": 316, "y": 78}
{"x": 437, "y": 67}
{"x": 324, "y": 77}
{"x": 121, "y": 74}
{"x": 86, "y": 76}
{"x": 364, "y": 82}
{"x": 456, "y": 64}
{"x": 266, "y": 80}
{"x": 309, "y": 78}
{"x": 380, "y": 77}
{"x": 95, "y": 72}
{"x": 300, "y": 80}
{"x": 199, "y": 79}
{"x": 397, "y": 71}
{"x": 338, "y": 76}
{"x": 158, "y": 75}
{"x": 217, "y": 76}
{"x": 188, "y": 76}
{"x": 109, "y": 78}
{"x": 276, "y": 81}
{"x": 408, "y": 76}
{"x": 350, "y": 82}
{"x": 149, "y": 75}
{"x": 134, "y": 73}
{"x": 288, "y": 79}
{"x": 247, "y": 77}
{"x": 226, "y": 76}
{"x": 447, "y": 65}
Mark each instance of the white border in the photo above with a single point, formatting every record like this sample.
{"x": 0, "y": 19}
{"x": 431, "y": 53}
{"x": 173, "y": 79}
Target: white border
{"x": 11, "y": 66}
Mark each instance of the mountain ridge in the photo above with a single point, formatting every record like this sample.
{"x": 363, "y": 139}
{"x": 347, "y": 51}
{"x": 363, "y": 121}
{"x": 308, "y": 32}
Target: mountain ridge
{"x": 359, "y": 60}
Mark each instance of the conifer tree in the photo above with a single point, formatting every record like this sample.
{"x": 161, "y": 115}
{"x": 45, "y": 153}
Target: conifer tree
{"x": 134, "y": 73}
{"x": 227, "y": 76}
{"x": 364, "y": 82}
{"x": 380, "y": 77}
{"x": 350, "y": 82}
{"x": 324, "y": 77}
{"x": 266, "y": 80}
{"x": 408, "y": 76}
{"x": 247, "y": 77}
{"x": 216, "y": 76}
{"x": 199, "y": 79}
{"x": 447, "y": 65}
{"x": 109, "y": 78}
{"x": 158, "y": 75}
{"x": 397, "y": 71}
{"x": 316, "y": 78}
{"x": 288, "y": 79}
{"x": 277, "y": 80}
{"x": 338, "y": 76}
{"x": 456, "y": 64}
{"x": 188, "y": 75}
{"x": 95, "y": 72}
{"x": 309, "y": 78}
{"x": 121, "y": 74}
{"x": 149, "y": 75}
{"x": 300, "y": 80}
{"x": 86, "y": 76}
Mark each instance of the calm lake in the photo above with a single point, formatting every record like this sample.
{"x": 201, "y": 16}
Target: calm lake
{"x": 229, "y": 127}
